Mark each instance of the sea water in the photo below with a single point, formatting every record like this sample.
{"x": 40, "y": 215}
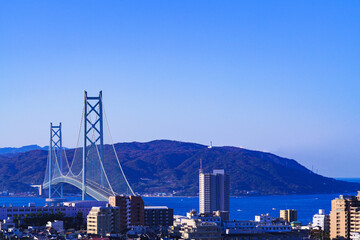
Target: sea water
{"x": 245, "y": 208}
{"x": 241, "y": 208}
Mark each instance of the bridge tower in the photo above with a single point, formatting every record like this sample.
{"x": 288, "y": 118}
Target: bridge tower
{"x": 92, "y": 106}
{"x": 55, "y": 160}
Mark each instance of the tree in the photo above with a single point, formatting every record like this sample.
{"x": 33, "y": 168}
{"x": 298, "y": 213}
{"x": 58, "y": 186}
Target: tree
{"x": 79, "y": 220}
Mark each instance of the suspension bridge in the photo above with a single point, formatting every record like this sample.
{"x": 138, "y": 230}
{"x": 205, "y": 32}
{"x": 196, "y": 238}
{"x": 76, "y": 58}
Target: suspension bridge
{"x": 94, "y": 168}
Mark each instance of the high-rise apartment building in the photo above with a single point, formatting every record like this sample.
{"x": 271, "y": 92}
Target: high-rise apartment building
{"x": 103, "y": 220}
{"x": 345, "y": 216}
{"x": 289, "y": 215}
{"x": 214, "y": 191}
{"x": 124, "y": 207}
{"x": 137, "y": 215}
{"x": 131, "y": 210}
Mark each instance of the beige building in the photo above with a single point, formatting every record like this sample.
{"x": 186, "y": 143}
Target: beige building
{"x": 197, "y": 229}
{"x": 289, "y": 215}
{"x": 103, "y": 220}
{"x": 344, "y": 216}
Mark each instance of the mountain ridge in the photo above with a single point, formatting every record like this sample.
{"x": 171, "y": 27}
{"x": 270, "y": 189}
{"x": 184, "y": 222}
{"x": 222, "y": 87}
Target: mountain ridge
{"x": 171, "y": 166}
{"x": 15, "y": 150}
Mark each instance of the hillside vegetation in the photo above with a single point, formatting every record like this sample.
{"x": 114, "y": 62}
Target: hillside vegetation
{"x": 167, "y": 166}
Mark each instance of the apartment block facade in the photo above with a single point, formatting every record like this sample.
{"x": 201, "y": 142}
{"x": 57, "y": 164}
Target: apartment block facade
{"x": 289, "y": 215}
{"x": 131, "y": 210}
{"x": 321, "y": 221}
{"x": 159, "y": 216}
{"x": 137, "y": 214}
{"x": 345, "y": 216}
{"x": 103, "y": 220}
{"x": 214, "y": 191}
{"x": 69, "y": 209}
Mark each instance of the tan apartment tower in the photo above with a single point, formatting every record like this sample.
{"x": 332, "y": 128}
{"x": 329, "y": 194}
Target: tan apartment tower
{"x": 289, "y": 215}
{"x": 103, "y": 220}
{"x": 344, "y": 216}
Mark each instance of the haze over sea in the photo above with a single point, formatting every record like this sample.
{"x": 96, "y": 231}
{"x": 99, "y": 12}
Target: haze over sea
{"x": 241, "y": 208}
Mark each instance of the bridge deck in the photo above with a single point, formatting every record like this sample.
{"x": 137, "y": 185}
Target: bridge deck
{"x": 93, "y": 189}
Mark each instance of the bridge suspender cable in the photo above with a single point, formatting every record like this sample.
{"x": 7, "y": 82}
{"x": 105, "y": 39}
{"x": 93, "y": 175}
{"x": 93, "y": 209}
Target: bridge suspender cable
{"x": 102, "y": 166}
{"x": 98, "y": 153}
{"x": 117, "y": 158}
{"x": 55, "y": 174}
{"x": 77, "y": 143}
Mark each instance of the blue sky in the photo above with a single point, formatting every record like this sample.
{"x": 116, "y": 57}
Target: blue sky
{"x": 278, "y": 76}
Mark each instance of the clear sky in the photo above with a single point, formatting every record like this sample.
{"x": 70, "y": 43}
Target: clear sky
{"x": 278, "y": 76}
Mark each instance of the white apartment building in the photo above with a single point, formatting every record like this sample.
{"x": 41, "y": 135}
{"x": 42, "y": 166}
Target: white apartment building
{"x": 321, "y": 221}
{"x": 263, "y": 223}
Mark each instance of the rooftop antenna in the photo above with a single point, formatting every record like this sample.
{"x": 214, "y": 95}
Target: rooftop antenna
{"x": 210, "y": 145}
{"x": 201, "y": 170}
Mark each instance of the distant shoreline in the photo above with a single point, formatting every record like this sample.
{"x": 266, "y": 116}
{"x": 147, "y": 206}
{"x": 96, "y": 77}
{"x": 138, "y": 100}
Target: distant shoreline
{"x": 232, "y": 196}
{"x": 21, "y": 196}
{"x": 264, "y": 195}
